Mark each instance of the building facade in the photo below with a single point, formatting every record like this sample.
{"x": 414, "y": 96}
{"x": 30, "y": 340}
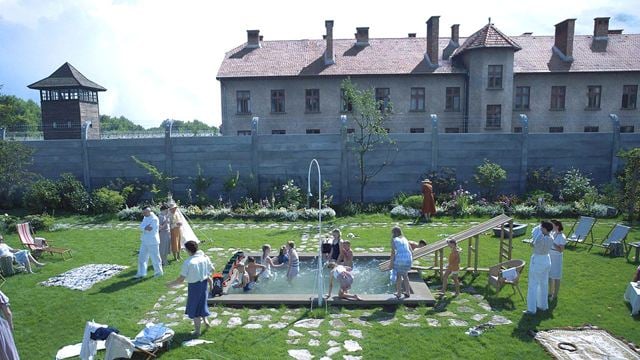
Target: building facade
{"x": 69, "y": 102}
{"x": 563, "y": 83}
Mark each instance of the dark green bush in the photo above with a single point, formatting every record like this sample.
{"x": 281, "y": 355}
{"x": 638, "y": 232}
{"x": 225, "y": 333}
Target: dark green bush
{"x": 42, "y": 222}
{"x": 443, "y": 181}
{"x": 544, "y": 179}
{"x": 42, "y": 196}
{"x": 131, "y": 190}
{"x": 73, "y": 196}
{"x": 107, "y": 201}
{"x": 576, "y": 186}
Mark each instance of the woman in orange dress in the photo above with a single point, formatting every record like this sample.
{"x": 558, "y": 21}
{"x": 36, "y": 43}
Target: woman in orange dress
{"x": 428, "y": 202}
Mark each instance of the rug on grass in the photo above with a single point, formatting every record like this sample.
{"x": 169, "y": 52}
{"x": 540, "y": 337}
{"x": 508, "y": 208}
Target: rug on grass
{"x": 586, "y": 343}
{"x": 84, "y": 277}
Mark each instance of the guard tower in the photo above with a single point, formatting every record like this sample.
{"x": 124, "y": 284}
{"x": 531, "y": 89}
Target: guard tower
{"x": 68, "y": 101}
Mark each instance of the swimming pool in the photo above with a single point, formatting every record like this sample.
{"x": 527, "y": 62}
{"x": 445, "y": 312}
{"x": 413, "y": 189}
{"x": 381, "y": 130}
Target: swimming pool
{"x": 370, "y": 283}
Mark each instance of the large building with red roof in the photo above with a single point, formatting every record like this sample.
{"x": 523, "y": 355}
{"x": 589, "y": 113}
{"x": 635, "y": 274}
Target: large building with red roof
{"x": 562, "y": 82}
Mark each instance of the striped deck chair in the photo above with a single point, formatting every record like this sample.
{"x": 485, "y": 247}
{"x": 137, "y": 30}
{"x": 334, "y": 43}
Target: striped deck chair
{"x": 614, "y": 242}
{"x": 27, "y": 240}
{"x": 581, "y": 231}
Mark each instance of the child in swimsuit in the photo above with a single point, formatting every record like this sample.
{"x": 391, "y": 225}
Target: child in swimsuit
{"x": 452, "y": 267}
{"x": 344, "y": 277}
{"x": 346, "y": 255}
{"x": 294, "y": 261}
{"x": 268, "y": 263}
{"x": 242, "y": 279}
{"x": 252, "y": 268}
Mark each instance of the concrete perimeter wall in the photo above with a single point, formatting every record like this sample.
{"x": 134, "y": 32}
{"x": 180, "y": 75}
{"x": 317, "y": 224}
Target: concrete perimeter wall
{"x": 267, "y": 160}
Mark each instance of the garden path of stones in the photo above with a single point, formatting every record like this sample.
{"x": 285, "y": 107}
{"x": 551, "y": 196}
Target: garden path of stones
{"x": 305, "y": 336}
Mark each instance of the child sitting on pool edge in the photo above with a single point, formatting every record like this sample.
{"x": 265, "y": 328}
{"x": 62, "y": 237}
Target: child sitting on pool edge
{"x": 345, "y": 278}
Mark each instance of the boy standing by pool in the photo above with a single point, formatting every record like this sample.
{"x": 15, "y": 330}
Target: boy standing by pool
{"x": 294, "y": 261}
{"x": 452, "y": 268}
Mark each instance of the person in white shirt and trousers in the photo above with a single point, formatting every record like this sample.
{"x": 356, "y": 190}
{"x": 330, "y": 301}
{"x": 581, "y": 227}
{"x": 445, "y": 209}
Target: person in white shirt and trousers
{"x": 538, "y": 289}
{"x": 149, "y": 244}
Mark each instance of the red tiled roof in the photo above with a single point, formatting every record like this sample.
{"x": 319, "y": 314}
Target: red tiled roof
{"x": 406, "y": 56}
{"x": 488, "y": 36}
{"x": 66, "y": 76}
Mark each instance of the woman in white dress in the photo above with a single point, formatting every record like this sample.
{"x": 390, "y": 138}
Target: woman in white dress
{"x": 555, "y": 274}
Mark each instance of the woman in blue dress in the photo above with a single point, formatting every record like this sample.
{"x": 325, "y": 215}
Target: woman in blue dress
{"x": 401, "y": 260}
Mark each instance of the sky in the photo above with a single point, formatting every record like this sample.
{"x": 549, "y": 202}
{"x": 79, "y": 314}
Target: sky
{"x": 158, "y": 59}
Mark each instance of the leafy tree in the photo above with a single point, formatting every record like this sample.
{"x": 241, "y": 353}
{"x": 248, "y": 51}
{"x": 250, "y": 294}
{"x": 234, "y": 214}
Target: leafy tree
{"x": 73, "y": 195}
{"x": 489, "y": 176}
{"x": 576, "y": 186}
{"x": 108, "y": 123}
{"x": 631, "y": 183}
{"x": 42, "y": 196}
{"x": 15, "y": 159}
{"x": 232, "y": 182}
{"x": 369, "y": 117}
{"x": 19, "y": 115}
{"x": 543, "y": 179}
{"x": 201, "y": 185}
{"x": 161, "y": 185}
{"x": 194, "y": 126}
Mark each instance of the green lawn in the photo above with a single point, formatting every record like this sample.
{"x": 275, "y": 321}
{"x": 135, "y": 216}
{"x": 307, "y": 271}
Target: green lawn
{"x": 46, "y": 318}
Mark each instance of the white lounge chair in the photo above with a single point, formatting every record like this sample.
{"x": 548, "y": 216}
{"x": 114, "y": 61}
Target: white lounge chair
{"x": 581, "y": 231}
{"x": 614, "y": 240}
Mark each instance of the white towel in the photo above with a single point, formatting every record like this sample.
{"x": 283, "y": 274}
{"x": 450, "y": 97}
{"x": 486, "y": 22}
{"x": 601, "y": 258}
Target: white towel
{"x": 118, "y": 346}
{"x": 89, "y": 347}
{"x": 509, "y": 274}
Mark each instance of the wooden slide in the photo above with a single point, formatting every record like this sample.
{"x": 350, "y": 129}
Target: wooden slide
{"x": 474, "y": 231}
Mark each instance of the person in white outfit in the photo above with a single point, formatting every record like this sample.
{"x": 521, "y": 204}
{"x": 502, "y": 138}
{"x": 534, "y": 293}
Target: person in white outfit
{"x": 539, "y": 267}
{"x": 555, "y": 274}
{"x": 149, "y": 244}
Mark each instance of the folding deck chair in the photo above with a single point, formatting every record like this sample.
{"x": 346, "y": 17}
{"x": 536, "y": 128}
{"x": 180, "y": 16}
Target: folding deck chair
{"x": 614, "y": 240}
{"x": 146, "y": 344}
{"x": 581, "y": 230}
{"x": 29, "y": 243}
{"x": 497, "y": 280}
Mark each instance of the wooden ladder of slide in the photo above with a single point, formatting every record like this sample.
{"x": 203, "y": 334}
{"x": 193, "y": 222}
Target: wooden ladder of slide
{"x": 473, "y": 235}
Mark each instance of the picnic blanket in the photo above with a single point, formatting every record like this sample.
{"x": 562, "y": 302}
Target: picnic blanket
{"x": 84, "y": 277}
{"x": 584, "y": 344}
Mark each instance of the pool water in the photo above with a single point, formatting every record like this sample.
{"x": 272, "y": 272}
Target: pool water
{"x": 367, "y": 279}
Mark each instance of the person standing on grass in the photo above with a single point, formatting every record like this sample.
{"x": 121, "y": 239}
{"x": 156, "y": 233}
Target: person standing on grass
{"x": 344, "y": 277}
{"x": 149, "y": 244}
{"x": 8, "y": 349}
{"x": 294, "y": 262}
{"x": 555, "y": 273}
{"x": 452, "y": 267}
{"x": 165, "y": 234}
{"x": 428, "y": 201}
{"x": 175, "y": 222}
{"x": 196, "y": 271}
{"x": 540, "y": 265}
{"x": 401, "y": 260}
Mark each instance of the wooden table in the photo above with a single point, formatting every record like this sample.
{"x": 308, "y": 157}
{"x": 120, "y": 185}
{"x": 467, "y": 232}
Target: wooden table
{"x": 632, "y": 295}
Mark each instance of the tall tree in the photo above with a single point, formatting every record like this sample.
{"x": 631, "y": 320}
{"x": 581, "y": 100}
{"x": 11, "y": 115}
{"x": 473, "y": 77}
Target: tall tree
{"x": 19, "y": 115}
{"x": 108, "y": 123}
{"x": 194, "y": 126}
{"x": 15, "y": 159}
{"x": 369, "y": 116}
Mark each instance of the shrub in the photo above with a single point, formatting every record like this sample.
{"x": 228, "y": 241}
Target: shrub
{"x": 193, "y": 211}
{"x": 399, "y": 198}
{"x": 312, "y": 213}
{"x": 217, "y": 213}
{"x": 533, "y": 197}
{"x": 575, "y": 186}
{"x": 8, "y": 223}
{"x": 130, "y": 213}
{"x": 413, "y": 202}
{"x": 201, "y": 185}
{"x": 42, "y": 196}
{"x": 289, "y": 195}
{"x": 349, "y": 208}
{"x": 489, "y": 176}
{"x": 524, "y": 211}
{"x": 73, "y": 196}
{"x": 131, "y": 190}
{"x": 558, "y": 210}
{"x": 603, "y": 211}
{"x": 401, "y": 212}
{"x": 106, "y": 201}
{"x": 485, "y": 210}
{"x": 631, "y": 183}
{"x": 443, "y": 182}
{"x": 543, "y": 179}
{"x": 42, "y": 222}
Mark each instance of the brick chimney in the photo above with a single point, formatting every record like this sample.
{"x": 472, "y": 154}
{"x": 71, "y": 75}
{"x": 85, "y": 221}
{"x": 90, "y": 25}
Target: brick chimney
{"x": 563, "y": 43}
{"x": 362, "y": 36}
{"x": 600, "y": 34}
{"x": 328, "y": 52}
{"x": 253, "y": 39}
{"x": 454, "y": 42}
{"x": 433, "y": 27}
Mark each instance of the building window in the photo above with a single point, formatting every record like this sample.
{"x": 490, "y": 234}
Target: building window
{"x": 277, "y": 101}
{"x": 54, "y": 125}
{"x": 417, "y": 99}
{"x": 629, "y": 96}
{"x": 244, "y": 132}
{"x": 73, "y": 94}
{"x": 452, "y": 101}
{"x": 522, "y": 98}
{"x": 451, "y": 130}
{"x": 556, "y": 129}
{"x": 243, "y": 101}
{"x": 345, "y": 104}
{"x": 387, "y": 130}
{"x": 591, "y": 129}
{"x": 517, "y": 129}
{"x": 351, "y": 131}
{"x": 416, "y": 130}
{"x": 557, "y": 97}
{"x": 312, "y": 100}
{"x": 278, "y": 132}
{"x": 495, "y": 77}
{"x": 494, "y": 116}
{"x": 626, "y": 129}
{"x": 382, "y": 98}
{"x": 313, "y": 131}
{"x": 593, "y": 97}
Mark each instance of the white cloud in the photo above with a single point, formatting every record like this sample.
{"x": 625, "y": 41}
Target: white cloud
{"x": 158, "y": 59}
